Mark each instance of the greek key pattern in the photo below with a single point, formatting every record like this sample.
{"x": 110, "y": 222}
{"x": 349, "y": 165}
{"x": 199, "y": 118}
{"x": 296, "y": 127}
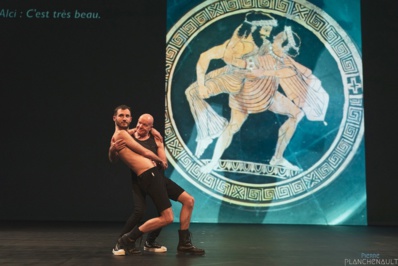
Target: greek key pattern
{"x": 343, "y": 148}
{"x": 341, "y": 49}
{"x": 228, "y": 189}
{"x": 331, "y": 35}
{"x": 247, "y": 193}
{"x": 283, "y": 6}
{"x": 357, "y": 101}
{"x": 350, "y": 132}
{"x": 232, "y": 5}
{"x": 349, "y": 65}
{"x": 268, "y": 4}
{"x": 355, "y": 115}
{"x": 317, "y": 23}
{"x": 201, "y": 18}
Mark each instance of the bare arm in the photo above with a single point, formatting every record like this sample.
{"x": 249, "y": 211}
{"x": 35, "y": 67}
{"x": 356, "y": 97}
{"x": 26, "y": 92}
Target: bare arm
{"x": 202, "y": 65}
{"x": 114, "y": 148}
{"x": 157, "y": 135}
{"x": 161, "y": 152}
{"x": 137, "y": 148}
{"x": 215, "y": 52}
{"x": 112, "y": 154}
{"x": 235, "y": 50}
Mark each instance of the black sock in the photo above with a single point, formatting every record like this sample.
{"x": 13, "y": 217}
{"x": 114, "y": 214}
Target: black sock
{"x": 135, "y": 233}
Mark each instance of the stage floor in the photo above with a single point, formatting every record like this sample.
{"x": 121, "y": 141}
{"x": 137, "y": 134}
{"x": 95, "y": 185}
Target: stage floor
{"x": 71, "y": 243}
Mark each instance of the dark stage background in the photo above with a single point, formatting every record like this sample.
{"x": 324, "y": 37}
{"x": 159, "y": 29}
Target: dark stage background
{"x": 62, "y": 74}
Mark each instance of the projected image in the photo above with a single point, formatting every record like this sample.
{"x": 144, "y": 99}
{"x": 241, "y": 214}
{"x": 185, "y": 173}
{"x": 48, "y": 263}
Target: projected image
{"x": 264, "y": 112}
{"x": 251, "y": 78}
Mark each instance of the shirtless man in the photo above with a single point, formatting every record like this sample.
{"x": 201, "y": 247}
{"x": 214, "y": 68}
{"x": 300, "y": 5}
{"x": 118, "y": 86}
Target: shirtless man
{"x": 148, "y": 137}
{"x": 153, "y": 183}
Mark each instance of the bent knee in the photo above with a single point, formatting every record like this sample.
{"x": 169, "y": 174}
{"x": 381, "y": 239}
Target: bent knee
{"x": 190, "y": 201}
{"x": 186, "y": 200}
{"x": 167, "y": 216}
{"x": 168, "y": 219}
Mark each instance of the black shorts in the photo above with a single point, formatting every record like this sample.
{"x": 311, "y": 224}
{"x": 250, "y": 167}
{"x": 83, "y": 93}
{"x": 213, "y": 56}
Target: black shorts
{"x": 159, "y": 188}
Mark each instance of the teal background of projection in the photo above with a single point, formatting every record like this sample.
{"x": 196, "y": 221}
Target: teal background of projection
{"x": 337, "y": 200}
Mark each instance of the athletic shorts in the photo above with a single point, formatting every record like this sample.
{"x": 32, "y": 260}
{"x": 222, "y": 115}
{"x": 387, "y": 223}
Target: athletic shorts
{"x": 159, "y": 188}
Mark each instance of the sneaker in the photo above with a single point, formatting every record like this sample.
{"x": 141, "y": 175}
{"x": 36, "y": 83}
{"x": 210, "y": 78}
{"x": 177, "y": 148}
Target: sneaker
{"x": 154, "y": 247}
{"x": 124, "y": 246}
{"x": 117, "y": 251}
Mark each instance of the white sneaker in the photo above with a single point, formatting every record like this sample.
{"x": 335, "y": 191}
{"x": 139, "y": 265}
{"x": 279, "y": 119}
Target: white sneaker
{"x": 154, "y": 247}
{"x": 117, "y": 251}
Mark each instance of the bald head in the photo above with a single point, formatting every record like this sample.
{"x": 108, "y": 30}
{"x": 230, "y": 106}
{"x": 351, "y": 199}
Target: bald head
{"x": 147, "y": 118}
{"x": 144, "y": 125}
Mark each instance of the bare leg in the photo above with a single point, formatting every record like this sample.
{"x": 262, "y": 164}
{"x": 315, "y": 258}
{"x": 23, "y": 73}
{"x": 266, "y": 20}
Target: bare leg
{"x": 165, "y": 218}
{"x": 185, "y": 245}
{"x": 209, "y": 124}
{"x": 187, "y": 202}
{"x": 223, "y": 142}
{"x": 127, "y": 241}
{"x": 283, "y": 105}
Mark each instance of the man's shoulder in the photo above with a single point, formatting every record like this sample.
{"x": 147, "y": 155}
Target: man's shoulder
{"x": 120, "y": 134}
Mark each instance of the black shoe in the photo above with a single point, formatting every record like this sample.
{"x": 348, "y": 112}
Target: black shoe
{"x": 153, "y": 246}
{"x": 126, "y": 244}
{"x": 185, "y": 245}
{"x": 190, "y": 249}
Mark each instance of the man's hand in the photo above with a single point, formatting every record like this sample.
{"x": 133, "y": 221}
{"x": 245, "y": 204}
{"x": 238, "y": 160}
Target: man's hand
{"x": 118, "y": 145}
{"x": 157, "y": 135}
{"x": 165, "y": 165}
{"x": 114, "y": 149}
{"x": 162, "y": 165}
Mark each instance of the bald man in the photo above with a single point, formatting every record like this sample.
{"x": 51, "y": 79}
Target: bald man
{"x": 148, "y": 137}
{"x": 152, "y": 182}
